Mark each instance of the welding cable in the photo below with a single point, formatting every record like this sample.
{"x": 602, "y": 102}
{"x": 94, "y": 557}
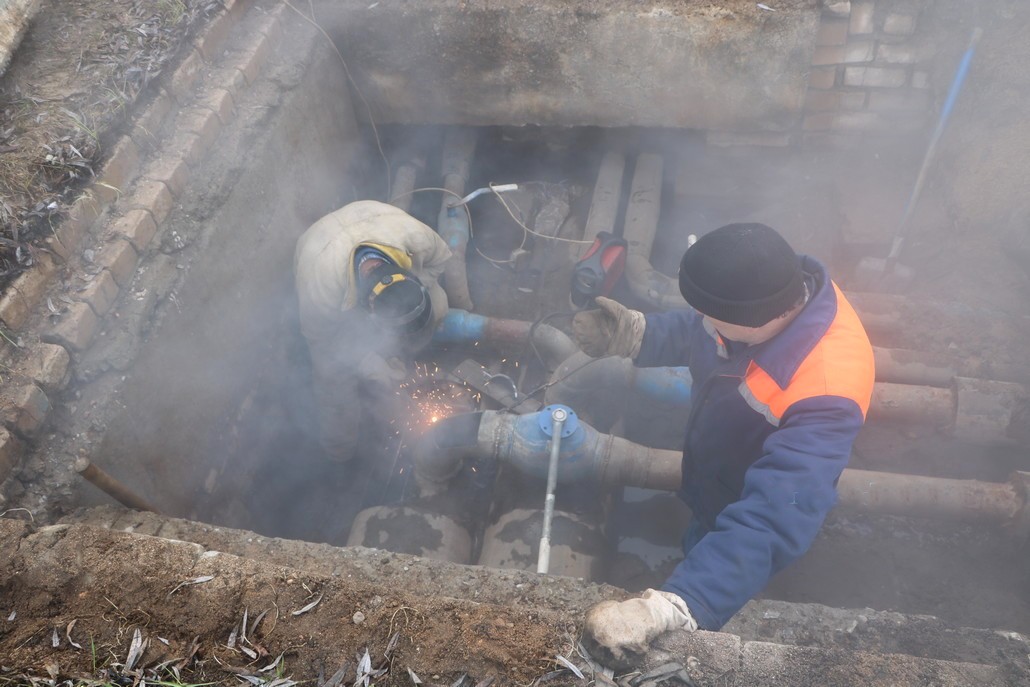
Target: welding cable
{"x": 531, "y": 344}
{"x": 497, "y": 195}
{"x": 548, "y": 385}
{"x": 494, "y": 261}
{"x": 346, "y": 70}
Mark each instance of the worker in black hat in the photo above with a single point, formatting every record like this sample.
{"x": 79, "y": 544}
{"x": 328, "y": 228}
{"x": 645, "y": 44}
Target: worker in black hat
{"x": 367, "y": 284}
{"x": 782, "y": 376}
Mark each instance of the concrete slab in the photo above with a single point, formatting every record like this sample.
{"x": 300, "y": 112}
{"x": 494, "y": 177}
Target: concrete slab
{"x": 728, "y": 65}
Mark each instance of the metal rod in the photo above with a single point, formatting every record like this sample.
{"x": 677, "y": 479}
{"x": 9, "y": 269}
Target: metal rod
{"x": 543, "y": 561}
{"x": 111, "y": 486}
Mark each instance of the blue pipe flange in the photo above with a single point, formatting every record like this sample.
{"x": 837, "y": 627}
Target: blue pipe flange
{"x": 547, "y": 423}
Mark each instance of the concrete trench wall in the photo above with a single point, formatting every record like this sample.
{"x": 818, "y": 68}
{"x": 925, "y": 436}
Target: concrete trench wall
{"x": 726, "y": 66}
{"x": 285, "y": 145}
{"x": 816, "y": 72}
{"x": 235, "y": 304}
{"x": 812, "y": 71}
{"x": 189, "y": 266}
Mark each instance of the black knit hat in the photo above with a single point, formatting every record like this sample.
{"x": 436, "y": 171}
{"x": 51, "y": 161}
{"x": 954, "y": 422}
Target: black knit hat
{"x": 745, "y": 274}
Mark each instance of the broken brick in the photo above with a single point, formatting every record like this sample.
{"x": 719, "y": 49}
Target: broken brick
{"x": 11, "y": 451}
{"x": 76, "y": 328}
{"x": 21, "y": 296}
{"x": 137, "y": 226}
{"x": 101, "y": 293}
{"x": 120, "y": 258}
{"x": 24, "y": 409}
{"x": 220, "y": 102}
{"x": 154, "y": 197}
{"x": 181, "y": 83}
{"x": 118, "y": 171}
{"x": 47, "y": 365}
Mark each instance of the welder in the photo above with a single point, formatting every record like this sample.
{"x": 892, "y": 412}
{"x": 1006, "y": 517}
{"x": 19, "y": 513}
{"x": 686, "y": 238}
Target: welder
{"x": 782, "y": 376}
{"x": 367, "y": 284}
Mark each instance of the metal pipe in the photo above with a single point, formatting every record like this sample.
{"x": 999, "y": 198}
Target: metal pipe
{"x": 917, "y": 496}
{"x": 453, "y": 225}
{"x": 586, "y": 454}
{"x": 642, "y": 211}
{"x": 558, "y": 417}
{"x": 912, "y": 367}
{"x": 910, "y": 403}
{"x": 974, "y": 410}
{"x": 404, "y": 182}
{"x": 604, "y": 203}
{"x": 641, "y": 226}
{"x": 111, "y": 486}
{"x": 603, "y": 389}
{"x": 460, "y": 327}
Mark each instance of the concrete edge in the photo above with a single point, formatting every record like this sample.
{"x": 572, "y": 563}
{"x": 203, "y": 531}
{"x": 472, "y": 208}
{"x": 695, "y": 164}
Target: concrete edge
{"x": 58, "y": 550}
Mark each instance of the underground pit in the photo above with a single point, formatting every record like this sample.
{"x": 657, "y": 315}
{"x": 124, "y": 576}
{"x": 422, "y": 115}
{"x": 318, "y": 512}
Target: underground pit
{"x": 197, "y": 397}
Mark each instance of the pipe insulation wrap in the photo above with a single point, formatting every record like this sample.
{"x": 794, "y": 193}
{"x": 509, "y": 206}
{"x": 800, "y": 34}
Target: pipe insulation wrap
{"x": 460, "y": 327}
{"x": 452, "y": 223}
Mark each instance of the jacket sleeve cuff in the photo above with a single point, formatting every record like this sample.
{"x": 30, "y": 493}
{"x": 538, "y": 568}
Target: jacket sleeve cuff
{"x": 702, "y": 615}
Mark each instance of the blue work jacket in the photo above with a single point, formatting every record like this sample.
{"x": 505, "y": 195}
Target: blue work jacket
{"x": 769, "y": 433}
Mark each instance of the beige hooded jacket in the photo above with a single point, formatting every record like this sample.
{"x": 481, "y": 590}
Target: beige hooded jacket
{"x": 345, "y": 346}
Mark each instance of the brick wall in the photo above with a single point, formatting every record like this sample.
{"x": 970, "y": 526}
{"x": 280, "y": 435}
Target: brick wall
{"x": 870, "y": 72}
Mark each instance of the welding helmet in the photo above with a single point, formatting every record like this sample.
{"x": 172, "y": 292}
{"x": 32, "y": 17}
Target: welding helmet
{"x": 397, "y": 299}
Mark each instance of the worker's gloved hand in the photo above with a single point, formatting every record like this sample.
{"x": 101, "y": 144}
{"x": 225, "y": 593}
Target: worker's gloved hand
{"x": 387, "y": 373}
{"x": 611, "y": 329}
{"x": 617, "y": 632}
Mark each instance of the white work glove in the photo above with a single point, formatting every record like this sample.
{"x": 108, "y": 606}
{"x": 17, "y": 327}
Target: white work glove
{"x": 611, "y": 329}
{"x": 617, "y": 633}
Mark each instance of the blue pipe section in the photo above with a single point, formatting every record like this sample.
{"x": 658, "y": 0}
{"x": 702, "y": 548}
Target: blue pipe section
{"x": 528, "y": 448}
{"x": 453, "y": 227}
{"x": 459, "y": 327}
{"x": 666, "y": 385}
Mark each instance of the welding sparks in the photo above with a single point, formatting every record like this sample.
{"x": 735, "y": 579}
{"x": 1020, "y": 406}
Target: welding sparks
{"x": 432, "y": 400}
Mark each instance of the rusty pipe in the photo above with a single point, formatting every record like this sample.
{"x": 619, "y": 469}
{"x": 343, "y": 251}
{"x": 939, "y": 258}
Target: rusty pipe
{"x": 611, "y": 461}
{"x": 462, "y": 327}
{"x": 913, "y": 367}
{"x": 974, "y": 410}
{"x": 968, "y": 500}
{"x": 911, "y": 403}
{"x": 111, "y": 486}
{"x": 453, "y": 225}
{"x": 661, "y": 291}
{"x": 404, "y": 182}
{"x": 604, "y": 203}
{"x": 602, "y": 390}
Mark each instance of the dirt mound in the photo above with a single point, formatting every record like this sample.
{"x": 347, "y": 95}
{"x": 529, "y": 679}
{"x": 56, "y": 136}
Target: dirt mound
{"x": 213, "y": 617}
